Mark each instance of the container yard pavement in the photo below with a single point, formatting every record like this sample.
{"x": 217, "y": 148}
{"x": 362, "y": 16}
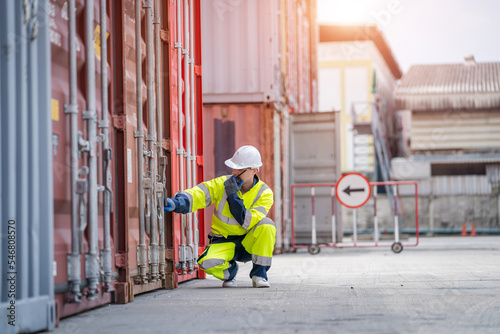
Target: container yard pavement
{"x": 445, "y": 285}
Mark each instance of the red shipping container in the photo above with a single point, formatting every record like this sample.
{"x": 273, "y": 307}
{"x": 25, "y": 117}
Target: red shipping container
{"x": 159, "y": 250}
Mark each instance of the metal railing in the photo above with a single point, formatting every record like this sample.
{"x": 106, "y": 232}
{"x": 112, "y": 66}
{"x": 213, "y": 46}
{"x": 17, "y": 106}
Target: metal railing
{"x": 314, "y": 246}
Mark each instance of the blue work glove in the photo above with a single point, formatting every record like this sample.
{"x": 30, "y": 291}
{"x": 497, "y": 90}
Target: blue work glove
{"x": 169, "y": 206}
{"x": 232, "y": 186}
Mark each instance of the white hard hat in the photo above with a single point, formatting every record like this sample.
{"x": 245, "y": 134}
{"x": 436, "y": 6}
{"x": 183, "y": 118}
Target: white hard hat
{"x": 245, "y": 157}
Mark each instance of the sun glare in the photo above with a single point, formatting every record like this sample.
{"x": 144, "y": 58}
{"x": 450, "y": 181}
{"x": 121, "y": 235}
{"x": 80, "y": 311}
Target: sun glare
{"x": 345, "y": 11}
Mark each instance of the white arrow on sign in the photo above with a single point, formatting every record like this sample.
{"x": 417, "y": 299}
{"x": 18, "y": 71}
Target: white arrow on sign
{"x": 353, "y": 190}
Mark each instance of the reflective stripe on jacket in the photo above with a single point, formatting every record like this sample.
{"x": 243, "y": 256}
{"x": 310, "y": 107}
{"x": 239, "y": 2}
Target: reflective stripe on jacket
{"x": 257, "y": 201}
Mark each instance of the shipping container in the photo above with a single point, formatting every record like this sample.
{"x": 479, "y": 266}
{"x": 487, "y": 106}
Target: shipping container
{"x": 314, "y": 150}
{"x": 176, "y": 66}
{"x": 260, "y": 67}
{"x": 78, "y": 158}
{"x": 121, "y": 83}
{"x": 226, "y": 127}
{"x": 26, "y": 244}
{"x": 260, "y": 51}
{"x": 239, "y": 39}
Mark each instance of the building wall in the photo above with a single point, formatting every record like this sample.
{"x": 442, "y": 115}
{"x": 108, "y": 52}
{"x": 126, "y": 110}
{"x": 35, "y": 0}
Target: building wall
{"x": 445, "y": 214}
{"x": 340, "y": 84}
{"x": 437, "y": 214}
{"x": 346, "y": 75}
{"x": 470, "y": 131}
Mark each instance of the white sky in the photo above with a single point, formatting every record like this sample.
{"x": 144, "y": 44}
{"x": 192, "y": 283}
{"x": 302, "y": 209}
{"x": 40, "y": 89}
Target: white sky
{"x": 425, "y": 31}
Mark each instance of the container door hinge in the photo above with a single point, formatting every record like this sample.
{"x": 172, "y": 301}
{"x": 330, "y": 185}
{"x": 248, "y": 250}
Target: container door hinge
{"x": 120, "y": 122}
{"x": 164, "y": 36}
{"x": 169, "y": 254}
{"x": 121, "y": 260}
{"x": 167, "y": 144}
{"x": 199, "y": 160}
{"x": 197, "y": 70}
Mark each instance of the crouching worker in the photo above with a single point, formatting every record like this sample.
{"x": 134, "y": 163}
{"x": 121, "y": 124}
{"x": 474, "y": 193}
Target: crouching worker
{"x": 240, "y": 229}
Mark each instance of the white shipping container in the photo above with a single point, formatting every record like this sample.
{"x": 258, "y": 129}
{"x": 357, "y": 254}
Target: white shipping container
{"x": 257, "y": 51}
{"x": 238, "y": 39}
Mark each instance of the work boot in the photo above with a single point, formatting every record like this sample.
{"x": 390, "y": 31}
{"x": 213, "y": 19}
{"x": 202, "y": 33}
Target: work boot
{"x": 233, "y": 270}
{"x": 260, "y": 282}
{"x": 230, "y": 283}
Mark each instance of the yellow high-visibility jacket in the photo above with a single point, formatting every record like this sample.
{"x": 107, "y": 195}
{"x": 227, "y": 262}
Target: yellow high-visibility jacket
{"x": 257, "y": 201}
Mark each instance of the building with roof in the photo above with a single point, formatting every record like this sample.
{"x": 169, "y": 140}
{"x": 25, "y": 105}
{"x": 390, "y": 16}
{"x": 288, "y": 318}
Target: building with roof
{"x": 356, "y": 72}
{"x": 460, "y": 100}
{"x": 453, "y": 141}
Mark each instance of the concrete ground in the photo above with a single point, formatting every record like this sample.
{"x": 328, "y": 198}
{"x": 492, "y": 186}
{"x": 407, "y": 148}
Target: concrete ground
{"x": 444, "y": 285}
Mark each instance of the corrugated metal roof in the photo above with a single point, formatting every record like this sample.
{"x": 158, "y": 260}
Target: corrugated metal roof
{"x": 468, "y": 85}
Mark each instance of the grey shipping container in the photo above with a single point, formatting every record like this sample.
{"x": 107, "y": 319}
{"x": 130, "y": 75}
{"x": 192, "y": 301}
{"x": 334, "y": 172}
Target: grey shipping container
{"x": 314, "y": 160}
{"x": 26, "y": 246}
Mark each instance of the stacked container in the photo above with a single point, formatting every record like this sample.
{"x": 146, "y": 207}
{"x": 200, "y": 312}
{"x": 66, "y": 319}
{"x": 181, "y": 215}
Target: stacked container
{"x": 259, "y": 66}
{"x": 102, "y": 119}
{"x": 121, "y": 81}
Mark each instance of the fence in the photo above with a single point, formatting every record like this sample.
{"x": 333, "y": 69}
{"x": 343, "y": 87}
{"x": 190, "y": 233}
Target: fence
{"x": 314, "y": 246}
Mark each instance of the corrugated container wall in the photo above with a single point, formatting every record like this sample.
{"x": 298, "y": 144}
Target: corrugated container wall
{"x": 26, "y": 245}
{"x": 77, "y": 107}
{"x": 315, "y": 158}
{"x": 121, "y": 81}
{"x": 259, "y": 65}
{"x": 260, "y": 51}
{"x": 161, "y": 254}
{"x": 229, "y": 126}
{"x": 238, "y": 39}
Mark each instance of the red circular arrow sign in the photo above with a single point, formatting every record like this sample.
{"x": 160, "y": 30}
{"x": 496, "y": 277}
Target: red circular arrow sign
{"x": 353, "y": 190}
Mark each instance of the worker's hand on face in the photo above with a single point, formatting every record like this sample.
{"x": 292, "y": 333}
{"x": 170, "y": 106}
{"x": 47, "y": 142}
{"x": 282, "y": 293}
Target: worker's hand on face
{"x": 169, "y": 205}
{"x": 232, "y": 186}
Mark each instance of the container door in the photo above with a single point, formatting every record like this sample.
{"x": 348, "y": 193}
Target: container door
{"x": 315, "y": 158}
{"x": 83, "y": 146}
